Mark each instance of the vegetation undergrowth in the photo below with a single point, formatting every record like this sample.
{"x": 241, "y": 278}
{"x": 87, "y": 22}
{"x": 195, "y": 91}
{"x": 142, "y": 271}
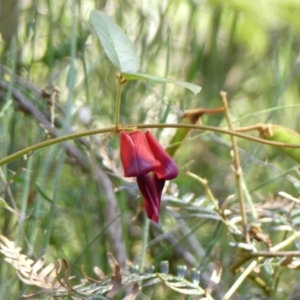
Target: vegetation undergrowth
{"x": 71, "y": 80}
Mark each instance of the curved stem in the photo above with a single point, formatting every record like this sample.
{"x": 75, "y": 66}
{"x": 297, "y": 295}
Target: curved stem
{"x": 51, "y": 142}
{"x": 140, "y": 126}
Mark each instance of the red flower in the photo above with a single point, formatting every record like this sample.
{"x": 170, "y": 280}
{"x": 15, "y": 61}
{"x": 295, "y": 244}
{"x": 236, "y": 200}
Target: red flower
{"x": 142, "y": 154}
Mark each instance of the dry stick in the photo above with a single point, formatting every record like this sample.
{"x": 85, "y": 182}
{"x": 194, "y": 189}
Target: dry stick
{"x": 195, "y": 113}
{"x": 237, "y": 166}
{"x": 271, "y": 253}
{"x": 258, "y": 127}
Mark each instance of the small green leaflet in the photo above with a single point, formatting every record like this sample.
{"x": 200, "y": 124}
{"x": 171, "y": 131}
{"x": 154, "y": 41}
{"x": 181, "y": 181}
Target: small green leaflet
{"x": 117, "y": 46}
{"x": 121, "y": 52}
{"x": 193, "y": 87}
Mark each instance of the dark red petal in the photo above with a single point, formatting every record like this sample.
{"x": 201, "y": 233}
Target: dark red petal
{"x": 159, "y": 183}
{"x": 136, "y": 155}
{"x": 167, "y": 169}
{"x": 148, "y": 189}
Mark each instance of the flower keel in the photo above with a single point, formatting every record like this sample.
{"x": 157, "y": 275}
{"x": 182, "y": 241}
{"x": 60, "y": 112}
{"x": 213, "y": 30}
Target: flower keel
{"x": 142, "y": 154}
{"x": 148, "y": 189}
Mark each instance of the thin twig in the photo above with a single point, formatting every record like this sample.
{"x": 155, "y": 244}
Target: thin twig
{"x": 238, "y": 168}
{"x": 120, "y": 81}
{"x": 270, "y": 254}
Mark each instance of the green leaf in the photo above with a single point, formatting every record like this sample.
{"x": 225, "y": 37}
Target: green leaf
{"x": 192, "y": 87}
{"x": 281, "y": 134}
{"x": 122, "y": 54}
{"x": 117, "y": 46}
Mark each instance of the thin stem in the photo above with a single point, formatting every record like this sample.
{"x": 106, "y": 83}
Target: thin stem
{"x": 258, "y": 127}
{"x": 215, "y": 129}
{"x": 112, "y": 129}
{"x": 240, "y": 280}
{"x": 198, "y": 112}
{"x": 51, "y": 142}
{"x": 271, "y": 253}
{"x": 120, "y": 82}
{"x": 286, "y": 242}
{"x": 237, "y": 166}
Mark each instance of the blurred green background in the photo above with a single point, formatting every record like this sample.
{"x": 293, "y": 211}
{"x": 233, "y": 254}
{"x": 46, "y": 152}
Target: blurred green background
{"x": 65, "y": 208}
